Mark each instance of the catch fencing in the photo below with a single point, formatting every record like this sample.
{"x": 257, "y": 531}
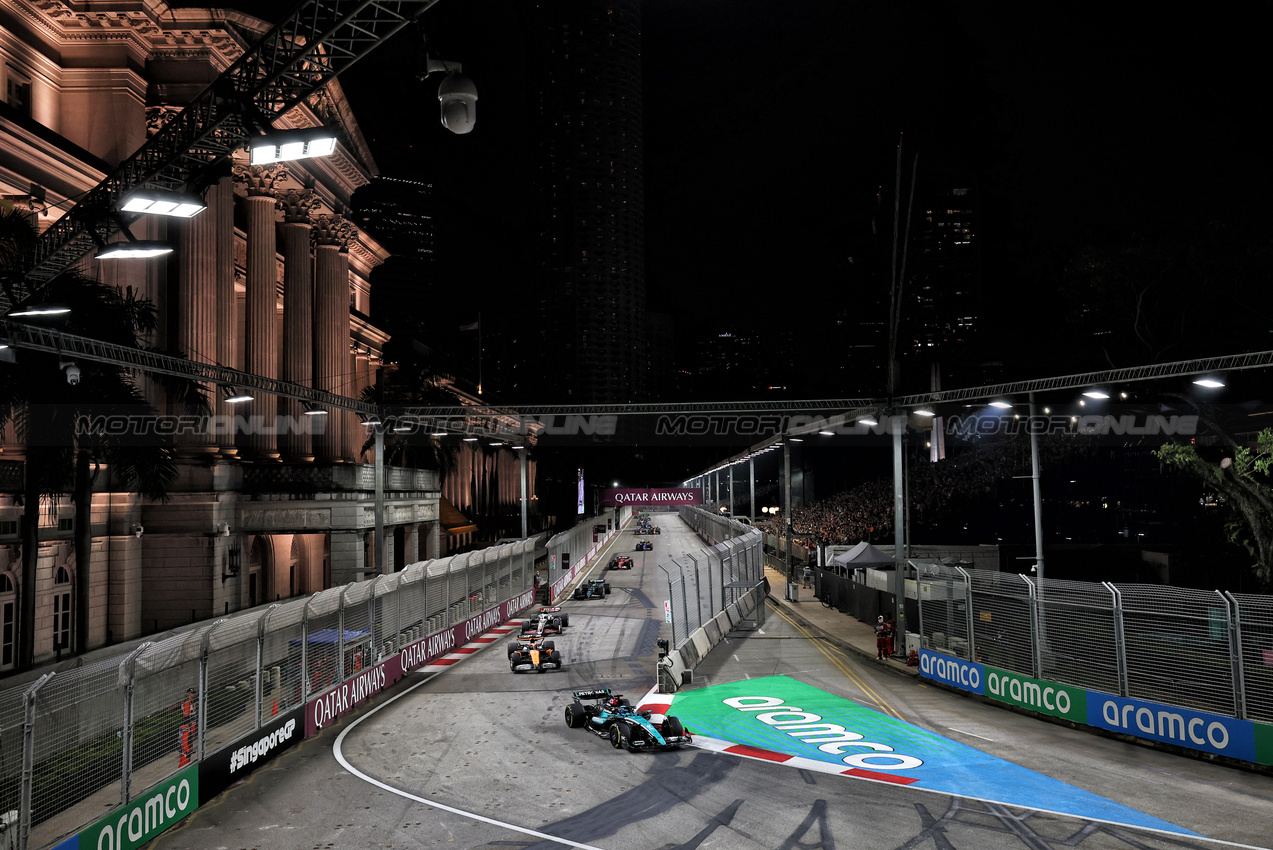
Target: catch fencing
{"x": 76, "y": 743}
{"x": 703, "y": 584}
{"x": 1209, "y": 651}
{"x": 571, "y": 551}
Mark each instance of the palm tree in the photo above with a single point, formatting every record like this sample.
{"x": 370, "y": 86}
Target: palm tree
{"x": 52, "y": 418}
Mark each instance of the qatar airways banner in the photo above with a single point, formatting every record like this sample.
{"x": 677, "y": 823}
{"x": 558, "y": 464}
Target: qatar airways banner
{"x": 642, "y": 496}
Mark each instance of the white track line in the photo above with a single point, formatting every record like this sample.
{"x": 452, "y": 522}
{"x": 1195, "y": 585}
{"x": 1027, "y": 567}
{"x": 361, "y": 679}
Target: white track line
{"x": 337, "y": 751}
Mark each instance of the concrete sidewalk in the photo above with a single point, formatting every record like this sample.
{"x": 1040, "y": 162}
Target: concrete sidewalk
{"x": 837, "y": 628}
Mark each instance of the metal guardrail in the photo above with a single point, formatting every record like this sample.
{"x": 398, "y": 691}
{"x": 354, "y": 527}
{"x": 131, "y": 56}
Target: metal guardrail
{"x": 75, "y": 743}
{"x": 1205, "y": 650}
{"x": 702, "y": 584}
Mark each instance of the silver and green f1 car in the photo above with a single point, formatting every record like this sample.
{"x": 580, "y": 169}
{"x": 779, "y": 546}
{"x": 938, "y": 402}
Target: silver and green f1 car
{"x": 613, "y": 717}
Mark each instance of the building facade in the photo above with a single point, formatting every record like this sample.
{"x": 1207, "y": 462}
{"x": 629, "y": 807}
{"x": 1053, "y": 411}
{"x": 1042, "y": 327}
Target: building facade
{"x": 271, "y": 279}
{"x": 590, "y": 201}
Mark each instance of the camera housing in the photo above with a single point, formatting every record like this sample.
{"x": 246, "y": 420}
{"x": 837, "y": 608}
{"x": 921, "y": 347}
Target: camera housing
{"x": 72, "y": 374}
{"x": 138, "y": 529}
{"x": 458, "y": 96}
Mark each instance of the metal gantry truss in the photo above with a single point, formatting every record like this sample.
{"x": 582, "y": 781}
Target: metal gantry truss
{"x": 829, "y": 411}
{"x": 311, "y": 46}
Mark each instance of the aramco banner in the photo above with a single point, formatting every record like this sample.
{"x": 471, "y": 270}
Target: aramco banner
{"x": 652, "y": 496}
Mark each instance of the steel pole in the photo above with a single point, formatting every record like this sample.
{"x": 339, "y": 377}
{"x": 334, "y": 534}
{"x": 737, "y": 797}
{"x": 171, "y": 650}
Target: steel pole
{"x": 380, "y": 500}
{"x": 793, "y": 587}
{"x": 899, "y": 556}
{"x": 525, "y": 496}
{"x": 1038, "y": 525}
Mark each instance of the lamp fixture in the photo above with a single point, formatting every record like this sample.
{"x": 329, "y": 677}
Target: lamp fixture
{"x": 134, "y": 249}
{"x": 163, "y": 202}
{"x": 438, "y": 434}
{"x": 826, "y": 433}
{"x": 287, "y": 145}
{"x": 232, "y": 396}
{"x": 1096, "y": 393}
{"x": 1002, "y": 405}
{"x": 40, "y": 310}
{"x": 923, "y": 411}
{"x": 868, "y": 420}
{"x": 313, "y": 409}
{"x": 470, "y": 439}
{"x": 1210, "y": 383}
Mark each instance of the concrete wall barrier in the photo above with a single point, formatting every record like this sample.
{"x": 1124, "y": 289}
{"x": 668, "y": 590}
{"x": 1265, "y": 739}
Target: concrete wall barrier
{"x": 701, "y": 644}
{"x": 722, "y": 623}
{"x": 711, "y": 632}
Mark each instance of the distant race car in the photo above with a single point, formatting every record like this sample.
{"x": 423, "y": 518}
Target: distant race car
{"x": 620, "y": 562}
{"x": 644, "y": 546}
{"x": 597, "y": 588}
{"x": 549, "y": 621}
{"x": 613, "y": 717}
{"x": 533, "y": 653}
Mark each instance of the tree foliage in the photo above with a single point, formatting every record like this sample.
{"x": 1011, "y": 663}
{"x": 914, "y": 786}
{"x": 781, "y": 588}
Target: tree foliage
{"x": 1243, "y": 479}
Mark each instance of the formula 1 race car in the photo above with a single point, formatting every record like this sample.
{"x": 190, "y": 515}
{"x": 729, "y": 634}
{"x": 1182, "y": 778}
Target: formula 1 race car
{"x": 644, "y": 546}
{"x": 549, "y": 621}
{"x": 620, "y": 562}
{"x": 613, "y": 717}
{"x": 596, "y": 588}
{"x": 533, "y": 653}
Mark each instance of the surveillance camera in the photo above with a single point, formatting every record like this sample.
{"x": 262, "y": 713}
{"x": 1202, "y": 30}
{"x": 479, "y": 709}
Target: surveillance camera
{"x": 458, "y": 96}
{"x": 138, "y": 529}
{"x": 72, "y": 374}
{"x": 224, "y": 529}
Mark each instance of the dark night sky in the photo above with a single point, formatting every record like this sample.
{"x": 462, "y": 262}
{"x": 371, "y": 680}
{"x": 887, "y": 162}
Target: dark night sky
{"x": 770, "y": 124}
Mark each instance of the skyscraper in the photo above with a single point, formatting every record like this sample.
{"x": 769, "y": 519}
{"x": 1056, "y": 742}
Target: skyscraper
{"x": 589, "y": 247}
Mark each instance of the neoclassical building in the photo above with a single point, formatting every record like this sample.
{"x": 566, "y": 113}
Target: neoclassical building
{"x": 271, "y": 279}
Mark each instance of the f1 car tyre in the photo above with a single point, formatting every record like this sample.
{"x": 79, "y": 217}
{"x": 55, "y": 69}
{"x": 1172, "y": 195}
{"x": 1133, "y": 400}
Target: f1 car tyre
{"x": 555, "y": 657}
{"x": 549, "y": 645}
{"x": 512, "y": 647}
{"x": 607, "y": 590}
{"x": 565, "y": 620}
{"x": 672, "y": 727}
{"x": 618, "y": 736}
{"x": 575, "y": 715}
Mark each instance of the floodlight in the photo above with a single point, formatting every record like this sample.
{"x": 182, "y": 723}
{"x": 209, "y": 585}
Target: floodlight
{"x": 138, "y": 249}
{"x": 1096, "y": 394}
{"x": 1210, "y": 383}
{"x": 41, "y": 310}
{"x": 923, "y": 411}
{"x": 1002, "y": 405}
{"x": 285, "y": 145}
{"x": 234, "y": 397}
{"x": 163, "y": 202}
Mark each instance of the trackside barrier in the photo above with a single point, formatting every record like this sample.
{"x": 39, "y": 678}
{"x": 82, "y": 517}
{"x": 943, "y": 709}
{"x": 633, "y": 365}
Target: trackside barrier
{"x": 1243, "y": 740}
{"x": 1201, "y": 650}
{"x": 576, "y": 549}
{"x": 164, "y": 729}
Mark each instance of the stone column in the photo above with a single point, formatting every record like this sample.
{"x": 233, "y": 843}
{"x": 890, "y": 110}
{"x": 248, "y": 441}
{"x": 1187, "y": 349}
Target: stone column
{"x": 259, "y": 353}
{"x": 195, "y": 299}
{"x": 220, "y": 199}
{"x": 352, "y": 382}
{"x": 331, "y": 323}
{"x": 298, "y": 320}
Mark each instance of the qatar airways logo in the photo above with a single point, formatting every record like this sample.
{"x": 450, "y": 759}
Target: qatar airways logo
{"x": 480, "y": 624}
{"x": 652, "y": 496}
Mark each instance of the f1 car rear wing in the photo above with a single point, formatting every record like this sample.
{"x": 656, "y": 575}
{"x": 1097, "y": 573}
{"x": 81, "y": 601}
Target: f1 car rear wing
{"x": 596, "y": 693}
{"x": 549, "y": 610}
